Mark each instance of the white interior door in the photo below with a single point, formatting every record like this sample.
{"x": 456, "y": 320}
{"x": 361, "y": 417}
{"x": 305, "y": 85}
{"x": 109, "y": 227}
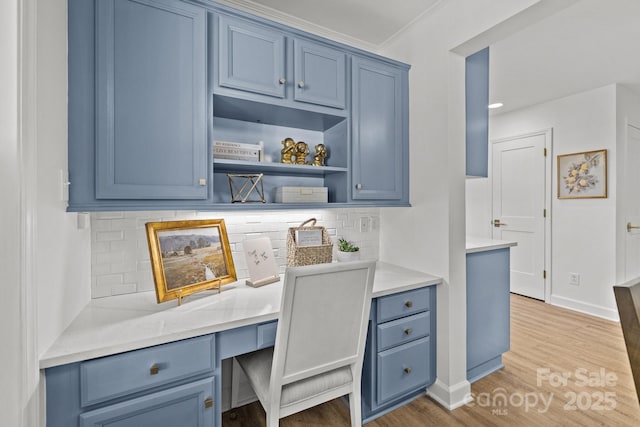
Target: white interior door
{"x": 518, "y": 181}
{"x": 632, "y": 203}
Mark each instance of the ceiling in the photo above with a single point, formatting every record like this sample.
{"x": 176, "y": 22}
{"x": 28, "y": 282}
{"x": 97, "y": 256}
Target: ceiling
{"x": 590, "y": 44}
{"x": 371, "y": 21}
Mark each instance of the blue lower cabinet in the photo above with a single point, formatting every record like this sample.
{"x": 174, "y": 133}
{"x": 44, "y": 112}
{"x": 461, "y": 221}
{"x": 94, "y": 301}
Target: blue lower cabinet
{"x": 189, "y": 405}
{"x": 400, "y": 355}
{"x": 488, "y": 311}
{"x": 172, "y": 384}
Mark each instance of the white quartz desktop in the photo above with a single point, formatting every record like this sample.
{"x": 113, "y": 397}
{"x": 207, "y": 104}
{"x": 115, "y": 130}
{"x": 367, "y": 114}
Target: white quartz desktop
{"x": 478, "y": 244}
{"x": 130, "y": 322}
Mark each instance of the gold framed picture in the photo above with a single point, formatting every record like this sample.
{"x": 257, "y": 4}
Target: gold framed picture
{"x": 582, "y": 175}
{"x": 189, "y": 256}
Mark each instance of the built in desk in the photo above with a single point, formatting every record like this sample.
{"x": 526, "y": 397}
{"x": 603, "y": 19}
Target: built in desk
{"x": 126, "y": 360}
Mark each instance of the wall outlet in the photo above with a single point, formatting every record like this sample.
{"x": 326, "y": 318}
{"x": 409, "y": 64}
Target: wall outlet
{"x": 365, "y": 224}
{"x": 375, "y": 223}
{"x": 574, "y": 279}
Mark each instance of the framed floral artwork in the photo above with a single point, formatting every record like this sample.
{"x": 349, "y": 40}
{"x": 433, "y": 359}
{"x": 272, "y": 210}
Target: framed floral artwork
{"x": 189, "y": 256}
{"x": 582, "y": 175}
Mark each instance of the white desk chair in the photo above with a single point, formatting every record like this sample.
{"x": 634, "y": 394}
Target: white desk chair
{"x": 320, "y": 341}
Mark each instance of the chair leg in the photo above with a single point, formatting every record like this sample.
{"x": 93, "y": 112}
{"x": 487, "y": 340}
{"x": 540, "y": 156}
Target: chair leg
{"x": 355, "y": 409}
{"x": 273, "y": 420}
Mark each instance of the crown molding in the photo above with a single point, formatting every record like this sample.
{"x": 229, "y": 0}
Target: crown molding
{"x": 302, "y": 24}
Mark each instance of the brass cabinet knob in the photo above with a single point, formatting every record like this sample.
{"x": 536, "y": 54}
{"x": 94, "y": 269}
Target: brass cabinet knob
{"x": 282, "y": 81}
{"x": 407, "y": 370}
{"x": 408, "y": 331}
{"x": 408, "y": 304}
{"x": 300, "y": 84}
{"x": 153, "y": 370}
{"x": 208, "y": 403}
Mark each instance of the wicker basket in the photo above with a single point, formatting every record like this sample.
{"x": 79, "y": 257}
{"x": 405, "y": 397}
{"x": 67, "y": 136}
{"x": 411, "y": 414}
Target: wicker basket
{"x": 308, "y": 255}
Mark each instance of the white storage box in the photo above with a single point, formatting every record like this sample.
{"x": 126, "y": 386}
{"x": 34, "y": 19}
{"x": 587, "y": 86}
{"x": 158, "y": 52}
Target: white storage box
{"x": 302, "y": 195}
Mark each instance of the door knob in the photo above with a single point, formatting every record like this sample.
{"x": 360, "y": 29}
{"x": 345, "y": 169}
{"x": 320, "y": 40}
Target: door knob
{"x": 282, "y": 81}
{"x": 497, "y": 223}
{"x": 632, "y": 227}
{"x": 300, "y": 84}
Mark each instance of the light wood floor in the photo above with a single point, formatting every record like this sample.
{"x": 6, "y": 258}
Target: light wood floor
{"x": 544, "y": 339}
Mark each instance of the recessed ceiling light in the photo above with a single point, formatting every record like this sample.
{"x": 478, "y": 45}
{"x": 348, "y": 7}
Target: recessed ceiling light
{"x": 496, "y": 105}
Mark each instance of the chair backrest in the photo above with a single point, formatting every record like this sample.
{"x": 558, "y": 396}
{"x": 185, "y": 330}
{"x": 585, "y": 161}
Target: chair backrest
{"x": 323, "y": 319}
{"x": 628, "y": 301}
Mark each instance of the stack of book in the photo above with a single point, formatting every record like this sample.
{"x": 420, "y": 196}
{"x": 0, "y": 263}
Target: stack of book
{"x": 237, "y": 151}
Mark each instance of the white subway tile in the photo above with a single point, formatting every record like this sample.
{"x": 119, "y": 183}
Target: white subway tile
{"x": 127, "y": 288}
{"x": 108, "y": 215}
{"x": 120, "y": 254}
{"x": 109, "y": 280}
{"x": 108, "y": 236}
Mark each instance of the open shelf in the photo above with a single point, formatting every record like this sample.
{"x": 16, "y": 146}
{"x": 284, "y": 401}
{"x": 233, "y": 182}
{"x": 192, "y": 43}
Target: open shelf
{"x": 233, "y": 166}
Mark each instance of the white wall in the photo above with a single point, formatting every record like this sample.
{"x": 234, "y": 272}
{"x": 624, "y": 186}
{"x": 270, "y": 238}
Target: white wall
{"x": 430, "y": 236}
{"x": 10, "y": 245}
{"x": 583, "y": 231}
{"x": 63, "y": 252}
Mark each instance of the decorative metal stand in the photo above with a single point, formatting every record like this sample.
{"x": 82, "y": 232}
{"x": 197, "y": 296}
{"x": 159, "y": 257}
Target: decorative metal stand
{"x": 182, "y": 296}
{"x": 251, "y": 188}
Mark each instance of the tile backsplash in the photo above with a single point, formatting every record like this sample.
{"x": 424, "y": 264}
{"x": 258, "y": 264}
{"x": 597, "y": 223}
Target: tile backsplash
{"x": 120, "y": 261}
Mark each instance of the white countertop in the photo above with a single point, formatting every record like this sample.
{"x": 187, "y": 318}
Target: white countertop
{"x": 130, "y": 322}
{"x": 478, "y": 244}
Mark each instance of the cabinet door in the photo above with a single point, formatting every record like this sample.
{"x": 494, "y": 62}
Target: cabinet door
{"x": 488, "y": 310}
{"x": 319, "y": 74}
{"x": 251, "y": 57}
{"x": 189, "y": 405}
{"x": 477, "y": 113}
{"x": 150, "y": 100}
{"x": 377, "y": 147}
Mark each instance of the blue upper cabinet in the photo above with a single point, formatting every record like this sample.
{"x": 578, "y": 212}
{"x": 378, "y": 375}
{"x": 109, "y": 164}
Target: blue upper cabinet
{"x": 380, "y": 122}
{"x": 319, "y": 74}
{"x": 152, "y": 83}
{"x": 150, "y": 100}
{"x": 252, "y": 57}
{"x": 259, "y": 63}
{"x": 477, "y": 113}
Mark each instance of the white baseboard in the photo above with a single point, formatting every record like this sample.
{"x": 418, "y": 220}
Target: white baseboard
{"x": 583, "y": 307}
{"x": 450, "y": 397}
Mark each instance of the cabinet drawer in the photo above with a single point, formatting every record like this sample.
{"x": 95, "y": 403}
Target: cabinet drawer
{"x": 113, "y": 376}
{"x": 267, "y": 334}
{"x": 403, "y": 304}
{"x": 403, "y": 369}
{"x": 403, "y": 330}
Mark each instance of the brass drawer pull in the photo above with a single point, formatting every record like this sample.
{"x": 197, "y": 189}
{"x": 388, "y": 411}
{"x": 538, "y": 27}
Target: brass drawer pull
{"x": 407, "y": 370}
{"x": 154, "y": 369}
{"x": 208, "y": 403}
{"x": 408, "y": 331}
{"x": 409, "y": 304}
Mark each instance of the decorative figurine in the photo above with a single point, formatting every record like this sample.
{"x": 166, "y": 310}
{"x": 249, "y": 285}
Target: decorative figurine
{"x": 288, "y": 150}
{"x": 302, "y": 149}
{"x": 321, "y": 154}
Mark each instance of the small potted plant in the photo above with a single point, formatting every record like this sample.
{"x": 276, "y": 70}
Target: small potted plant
{"x": 347, "y": 251}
